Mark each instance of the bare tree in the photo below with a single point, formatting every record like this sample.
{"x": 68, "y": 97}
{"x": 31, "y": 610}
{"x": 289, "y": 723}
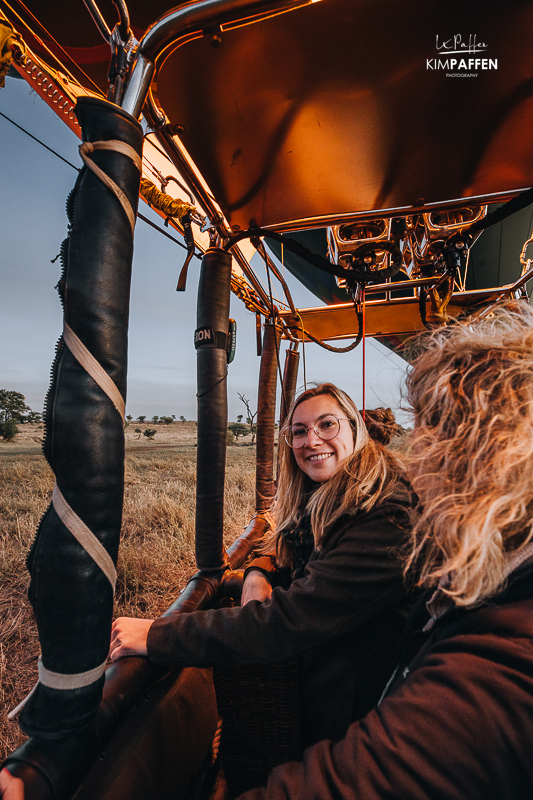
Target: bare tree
{"x": 251, "y": 415}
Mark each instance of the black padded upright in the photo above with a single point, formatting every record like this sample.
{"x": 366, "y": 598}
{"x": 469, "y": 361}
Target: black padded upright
{"x": 84, "y": 444}
{"x": 212, "y": 320}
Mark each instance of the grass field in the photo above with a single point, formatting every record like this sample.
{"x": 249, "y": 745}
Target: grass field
{"x": 157, "y": 549}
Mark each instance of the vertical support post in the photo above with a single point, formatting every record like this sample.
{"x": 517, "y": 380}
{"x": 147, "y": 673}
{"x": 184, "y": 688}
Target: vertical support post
{"x": 266, "y": 420}
{"x": 210, "y": 340}
{"x": 288, "y": 389}
{"x": 72, "y": 561}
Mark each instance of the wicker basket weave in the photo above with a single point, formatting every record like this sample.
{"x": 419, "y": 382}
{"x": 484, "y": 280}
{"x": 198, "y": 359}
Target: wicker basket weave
{"x": 260, "y": 710}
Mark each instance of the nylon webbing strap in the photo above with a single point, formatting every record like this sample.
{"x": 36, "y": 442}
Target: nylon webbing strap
{"x": 57, "y": 680}
{"x": 118, "y": 147}
{"x": 84, "y": 536}
{"x": 207, "y": 337}
{"x": 76, "y": 680}
{"x": 95, "y": 370}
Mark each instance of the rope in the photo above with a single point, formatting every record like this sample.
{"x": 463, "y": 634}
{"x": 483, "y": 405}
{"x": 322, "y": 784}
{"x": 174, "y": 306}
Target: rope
{"x": 331, "y": 347}
{"x": 84, "y": 536}
{"x": 95, "y": 370}
{"x": 170, "y": 206}
{"x": 118, "y": 147}
{"x": 10, "y": 40}
{"x": 39, "y": 141}
{"x": 260, "y": 247}
{"x": 303, "y": 351}
{"x": 210, "y": 388}
{"x": 217, "y": 738}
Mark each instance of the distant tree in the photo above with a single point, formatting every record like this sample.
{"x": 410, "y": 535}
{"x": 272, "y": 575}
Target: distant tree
{"x": 149, "y": 433}
{"x": 239, "y": 417}
{"x": 8, "y": 430}
{"x": 166, "y": 420}
{"x": 129, "y": 417}
{"x": 33, "y": 417}
{"x": 12, "y": 405}
{"x": 155, "y": 418}
{"x": 251, "y": 415}
{"x": 238, "y": 429}
{"x": 139, "y": 431}
{"x": 173, "y": 416}
{"x": 13, "y": 409}
{"x": 141, "y": 419}
{"x": 182, "y": 418}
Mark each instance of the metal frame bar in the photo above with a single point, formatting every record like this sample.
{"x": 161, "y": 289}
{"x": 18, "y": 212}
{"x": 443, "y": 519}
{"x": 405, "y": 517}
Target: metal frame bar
{"x": 307, "y": 223}
{"x": 191, "y": 22}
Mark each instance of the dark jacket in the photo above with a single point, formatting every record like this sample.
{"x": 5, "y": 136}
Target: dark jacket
{"x": 457, "y": 723}
{"x": 344, "y": 618}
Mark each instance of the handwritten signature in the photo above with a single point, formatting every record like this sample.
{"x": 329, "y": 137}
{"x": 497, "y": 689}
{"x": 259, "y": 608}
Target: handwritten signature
{"x": 455, "y": 44}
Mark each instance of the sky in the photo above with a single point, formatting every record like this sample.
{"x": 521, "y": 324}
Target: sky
{"x": 162, "y": 359}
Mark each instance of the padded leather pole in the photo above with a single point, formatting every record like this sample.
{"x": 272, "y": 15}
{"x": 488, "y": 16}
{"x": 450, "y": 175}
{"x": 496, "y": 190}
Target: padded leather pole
{"x": 71, "y": 592}
{"x": 266, "y": 420}
{"x": 288, "y": 389}
{"x": 212, "y": 320}
{"x": 290, "y": 376}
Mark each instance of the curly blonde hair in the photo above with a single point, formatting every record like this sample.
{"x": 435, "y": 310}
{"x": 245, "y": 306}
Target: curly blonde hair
{"x": 471, "y": 465}
{"x": 369, "y": 475}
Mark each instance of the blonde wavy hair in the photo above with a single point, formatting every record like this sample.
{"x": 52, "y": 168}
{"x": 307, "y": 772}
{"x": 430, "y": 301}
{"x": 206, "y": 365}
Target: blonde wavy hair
{"x": 369, "y": 475}
{"x": 471, "y": 390}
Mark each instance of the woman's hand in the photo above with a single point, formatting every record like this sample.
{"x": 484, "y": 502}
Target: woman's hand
{"x": 256, "y": 586}
{"x": 129, "y": 637}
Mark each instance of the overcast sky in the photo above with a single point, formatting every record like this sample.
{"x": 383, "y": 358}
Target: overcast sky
{"x": 162, "y": 359}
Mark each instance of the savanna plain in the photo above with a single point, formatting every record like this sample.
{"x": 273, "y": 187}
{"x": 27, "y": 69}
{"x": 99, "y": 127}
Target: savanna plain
{"x": 157, "y": 546}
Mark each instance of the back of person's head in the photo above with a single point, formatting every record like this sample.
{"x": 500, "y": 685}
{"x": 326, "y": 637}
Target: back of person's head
{"x": 381, "y": 424}
{"x": 363, "y": 479}
{"x": 471, "y": 391}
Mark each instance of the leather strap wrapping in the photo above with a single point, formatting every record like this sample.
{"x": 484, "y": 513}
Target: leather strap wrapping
{"x": 213, "y": 313}
{"x": 71, "y": 593}
{"x": 290, "y": 376}
{"x": 266, "y": 420}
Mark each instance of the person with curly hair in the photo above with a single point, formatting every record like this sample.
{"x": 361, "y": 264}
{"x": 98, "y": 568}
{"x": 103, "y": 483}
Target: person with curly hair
{"x": 456, "y": 721}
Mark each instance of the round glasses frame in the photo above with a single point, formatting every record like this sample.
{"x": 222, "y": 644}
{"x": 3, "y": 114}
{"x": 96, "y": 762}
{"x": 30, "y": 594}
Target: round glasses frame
{"x": 324, "y": 433}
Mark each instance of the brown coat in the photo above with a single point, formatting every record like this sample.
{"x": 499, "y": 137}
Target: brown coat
{"x": 343, "y": 618}
{"x": 457, "y": 725}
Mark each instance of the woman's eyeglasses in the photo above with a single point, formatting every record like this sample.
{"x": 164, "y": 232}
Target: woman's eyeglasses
{"x": 326, "y": 428}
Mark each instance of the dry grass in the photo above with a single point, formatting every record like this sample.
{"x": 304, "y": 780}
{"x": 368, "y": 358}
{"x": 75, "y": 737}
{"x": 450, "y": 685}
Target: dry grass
{"x": 157, "y": 549}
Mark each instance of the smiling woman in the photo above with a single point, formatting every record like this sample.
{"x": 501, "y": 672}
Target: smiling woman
{"x": 330, "y": 574}
{"x": 320, "y": 443}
